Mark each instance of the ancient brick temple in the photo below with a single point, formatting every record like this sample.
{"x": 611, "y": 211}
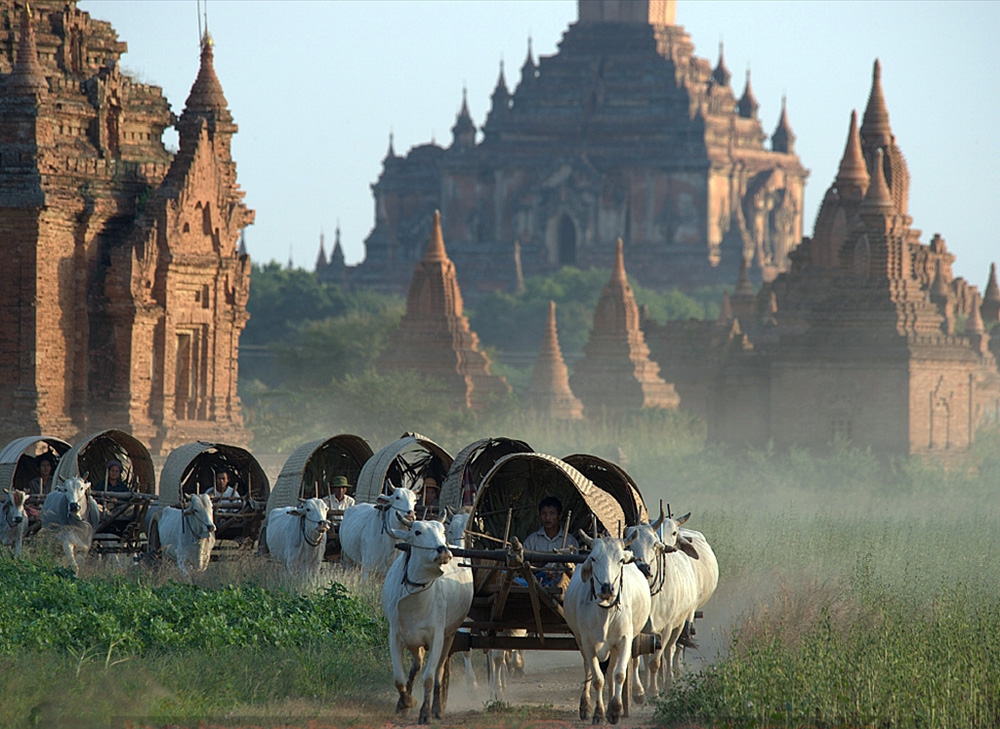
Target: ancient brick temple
{"x": 122, "y": 294}
{"x": 549, "y": 392}
{"x": 434, "y": 337}
{"x": 616, "y": 372}
{"x": 859, "y": 340}
{"x": 623, "y": 133}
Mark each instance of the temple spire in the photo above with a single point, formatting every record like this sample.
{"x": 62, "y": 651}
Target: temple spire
{"x": 435, "y": 246}
{"x": 721, "y": 73}
{"x": 528, "y": 69}
{"x": 464, "y": 131}
{"x": 991, "y": 298}
{"x": 878, "y": 197}
{"x": 853, "y": 173}
{"x": 27, "y": 76}
{"x": 783, "y": 139}
{"x": 618, "y": 272}
{"x": 321, "y": 261}
{"x": 747, "y": 105}
{"x": 875, "y": 128}
{"x": 550, "y": 392}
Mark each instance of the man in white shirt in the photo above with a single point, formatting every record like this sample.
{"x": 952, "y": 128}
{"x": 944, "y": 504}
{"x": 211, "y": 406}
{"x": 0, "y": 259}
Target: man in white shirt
{"x": 338, "y": 498}
{"x": 224, "y": 490}
{"x": 549, "y": 538}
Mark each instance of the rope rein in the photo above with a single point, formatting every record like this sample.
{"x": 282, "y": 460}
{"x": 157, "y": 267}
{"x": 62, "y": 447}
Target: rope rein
{"x": 305, "y": 535}
{"x": 618, "y": 597}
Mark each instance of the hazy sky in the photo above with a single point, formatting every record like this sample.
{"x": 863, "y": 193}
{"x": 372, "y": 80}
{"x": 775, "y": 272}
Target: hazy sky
{"x": 316, "y": 88}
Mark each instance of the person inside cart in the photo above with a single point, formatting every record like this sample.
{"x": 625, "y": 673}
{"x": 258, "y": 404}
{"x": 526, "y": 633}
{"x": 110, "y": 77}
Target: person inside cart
{"x": 550, "y": 537}
{"x": 431, "y": 491}
{"x": 338, "y": 498}
{"x": 41, "y": 485}
{"x": 113, "y": 477}
{"x": 223, "y": 489}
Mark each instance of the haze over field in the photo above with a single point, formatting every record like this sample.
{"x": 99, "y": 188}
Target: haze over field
{"x": 316, "y": 88}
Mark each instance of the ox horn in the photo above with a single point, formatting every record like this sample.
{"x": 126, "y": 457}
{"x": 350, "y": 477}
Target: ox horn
{"x": 585, "y": 538}
{"x": 442, "y": 516}
{"x": 659, "y": 522}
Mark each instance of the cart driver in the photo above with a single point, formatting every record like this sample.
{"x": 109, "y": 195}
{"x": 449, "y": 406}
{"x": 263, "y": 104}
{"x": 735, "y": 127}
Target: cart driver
{"x": 223, "y": 489}
{"x": 549, "y": 538}
{"x": 338, "y": 498}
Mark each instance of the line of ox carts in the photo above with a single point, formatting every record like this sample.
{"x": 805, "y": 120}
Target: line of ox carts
{"x": 457, "y": 576}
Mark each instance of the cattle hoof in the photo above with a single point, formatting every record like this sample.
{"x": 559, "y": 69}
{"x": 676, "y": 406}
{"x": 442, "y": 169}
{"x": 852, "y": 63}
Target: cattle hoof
{"x": 598, "y": 717}
{"x": 639, "y": 698}
{"x": 424, "y": 716}
{"x": 405, "y": 702}
{"x": 584, "y": 709}
{"x": 615, "y": 711}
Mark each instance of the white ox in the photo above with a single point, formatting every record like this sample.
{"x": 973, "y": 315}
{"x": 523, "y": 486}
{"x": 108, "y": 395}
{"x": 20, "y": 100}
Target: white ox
{"x": 669, "y": 571}
{"x": 188, "y": 534}
{"x": 706, "y": 568}
{"x": 72, "y": 512}
{"x": 14, "y": 521}
{"x": 606, "y": 606}
{"x": 366, "y": 531}
{"x": 425, "y": 598}
{"x": 297, "y": 535}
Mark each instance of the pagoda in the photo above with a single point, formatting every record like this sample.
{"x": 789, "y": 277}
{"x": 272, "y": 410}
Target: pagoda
{"x": 434, "y": 337}
{"x": 616, "y": 372}
{"x": 550, "y": 393}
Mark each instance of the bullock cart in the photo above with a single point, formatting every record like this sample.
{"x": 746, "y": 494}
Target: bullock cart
{"x": 122, "y": 512}
{"x": 191, "y": 469}
{"x": 404, "y": 463}
{"x": 308, "y": 473}
{"x": 508, "y": 596}
{"x": 19, "y": 466}
{"x": 470, "y": 467}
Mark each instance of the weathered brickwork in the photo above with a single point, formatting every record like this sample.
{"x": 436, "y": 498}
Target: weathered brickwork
{"x": 623, "y": 133}
{"x": 859, "y": 342}
{"x": 122, "y": 295}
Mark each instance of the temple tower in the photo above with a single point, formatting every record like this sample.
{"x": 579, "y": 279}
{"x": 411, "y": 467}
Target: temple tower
{"x": 114, "y": 249}
{"x": 434, "y": 336}
{"x": 616, "y": 373}
{"x": 549, "y": 392}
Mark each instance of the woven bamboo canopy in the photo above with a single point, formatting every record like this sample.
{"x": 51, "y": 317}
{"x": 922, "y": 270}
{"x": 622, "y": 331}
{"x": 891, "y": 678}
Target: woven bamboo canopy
{"x": 472, "y": 463}
{"x": 17, "y": 459}
{"x": 515, "y": 485}
{"x": 612, "y": 478}
{"x": 89, "y": 457}
{"x": 312, "y": 466}
{"x": 403, "y": 462}
{"x": 191, "y": 468}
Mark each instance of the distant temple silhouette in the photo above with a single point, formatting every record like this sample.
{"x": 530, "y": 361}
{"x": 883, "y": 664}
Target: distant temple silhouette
{"x": 623, "y": 133}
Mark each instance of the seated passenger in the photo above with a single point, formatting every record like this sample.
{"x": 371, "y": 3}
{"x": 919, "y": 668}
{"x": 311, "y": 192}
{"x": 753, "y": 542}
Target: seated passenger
{"x": 42, "y": 484}
{"x": 338, "y": 498}
{"x": 430, "y": 492}
{"x": 113, "y": 477}
{"x": 550, "y": 538}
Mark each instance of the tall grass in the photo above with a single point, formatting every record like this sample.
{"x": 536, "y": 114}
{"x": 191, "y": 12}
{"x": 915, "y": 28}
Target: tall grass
{"x": 860, "y": 621}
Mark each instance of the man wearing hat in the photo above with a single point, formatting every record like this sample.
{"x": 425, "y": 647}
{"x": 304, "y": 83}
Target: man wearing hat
{"x": 338, "y": 498}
